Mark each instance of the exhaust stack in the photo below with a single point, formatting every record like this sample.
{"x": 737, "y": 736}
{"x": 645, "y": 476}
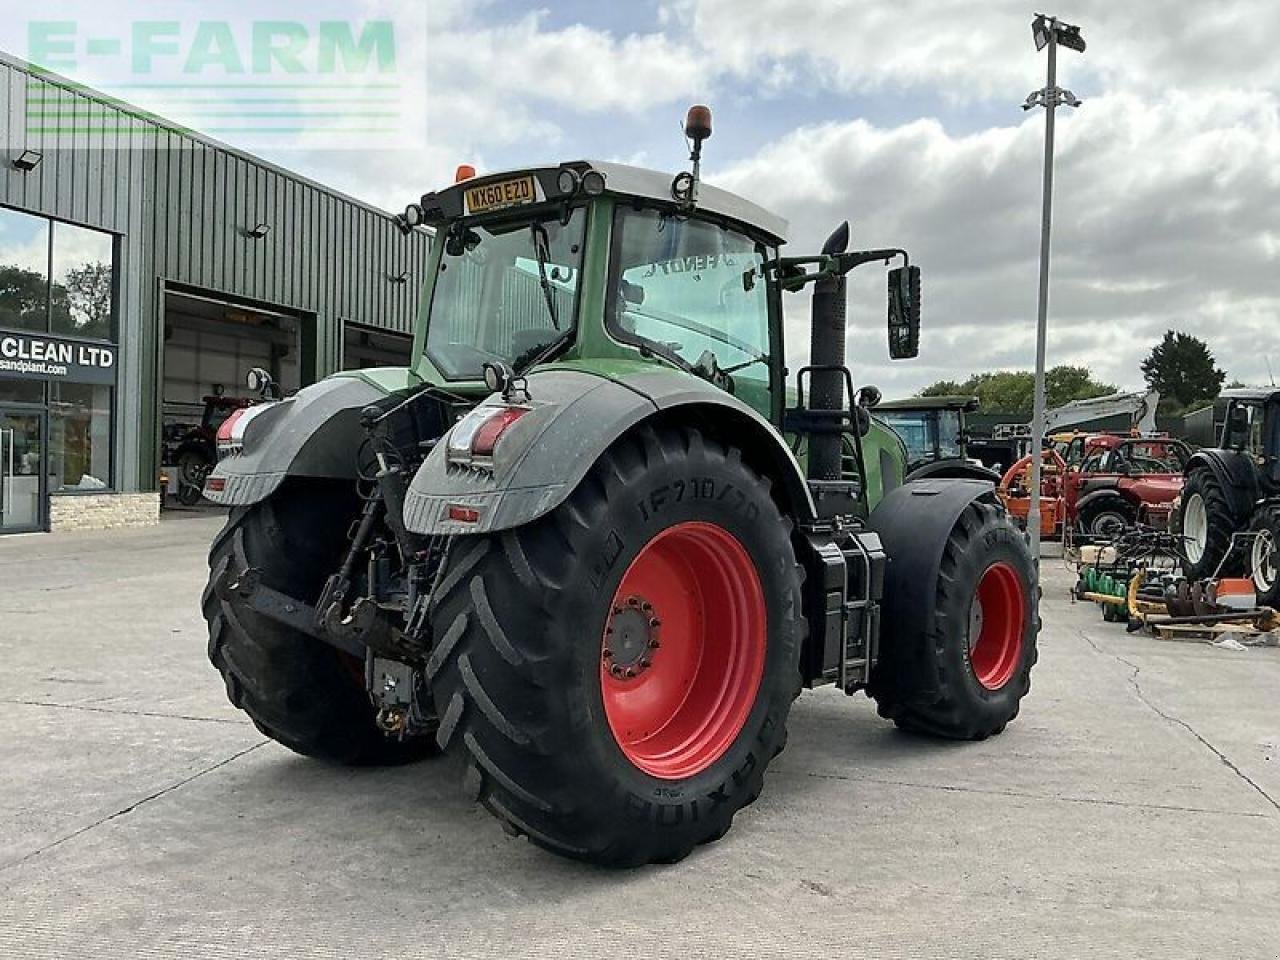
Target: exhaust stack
{"x": 826, "y": 349}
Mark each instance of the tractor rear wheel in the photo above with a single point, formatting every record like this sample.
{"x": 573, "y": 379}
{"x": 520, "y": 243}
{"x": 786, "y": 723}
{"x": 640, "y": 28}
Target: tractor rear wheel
{"x": 297, "y": 690}
{"x": 966, "y": 677}
{"x": 617, "y": 675}
{"x": 1207, "y": 525}
{"x": 1264, "y": 557}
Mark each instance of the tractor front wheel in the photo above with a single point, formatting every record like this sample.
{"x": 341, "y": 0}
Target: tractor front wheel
{"x": 617, "y": 675}
{"x": 966, "y": 677}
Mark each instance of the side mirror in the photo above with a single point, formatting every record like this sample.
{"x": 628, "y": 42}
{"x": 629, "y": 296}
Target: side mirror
{"x": 904, "y": 313}
{"x": 1238, "y": 427}
{"x": 869, "y": 397}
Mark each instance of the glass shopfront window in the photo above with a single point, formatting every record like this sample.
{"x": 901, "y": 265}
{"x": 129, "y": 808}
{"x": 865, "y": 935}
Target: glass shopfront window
{"x": 83, "y": 279}
{"x": 57, "y": 390}
{"x": 79, "y": 437}
{"x": 24, "y": 271}
{"x": 21, "y": 391}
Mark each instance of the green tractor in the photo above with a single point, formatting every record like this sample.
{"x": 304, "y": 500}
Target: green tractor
{"x": 591, "y": 542}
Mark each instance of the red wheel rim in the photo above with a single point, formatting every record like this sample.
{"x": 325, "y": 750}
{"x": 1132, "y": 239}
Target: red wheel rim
{"x": 996, "y": 621}
{"x": 683, "y": 650}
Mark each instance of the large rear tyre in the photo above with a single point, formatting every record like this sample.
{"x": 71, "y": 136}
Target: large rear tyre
{"x": 1207, "y": 524}
{"x": 617, "y": 675}
{"x": 297, "y": 690}
{"x": 966, "y": 677}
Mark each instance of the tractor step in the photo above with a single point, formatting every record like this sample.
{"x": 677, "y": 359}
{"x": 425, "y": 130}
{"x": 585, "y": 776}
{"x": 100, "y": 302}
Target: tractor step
{"x": 845, "y": 586}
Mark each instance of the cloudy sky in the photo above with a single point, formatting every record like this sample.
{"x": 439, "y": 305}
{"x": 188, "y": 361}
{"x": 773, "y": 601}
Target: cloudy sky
{"x": 904, "y": 118}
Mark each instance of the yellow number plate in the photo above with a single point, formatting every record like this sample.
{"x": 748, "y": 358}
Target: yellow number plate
{"x": 504, "y": 193}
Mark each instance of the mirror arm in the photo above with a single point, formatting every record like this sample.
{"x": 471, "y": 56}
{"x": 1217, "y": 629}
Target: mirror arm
{"x": 844, "y": 262}
{"x": 792, "y": 273}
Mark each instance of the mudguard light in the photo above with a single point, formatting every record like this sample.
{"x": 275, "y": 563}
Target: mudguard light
{"x": 474, "y": 436}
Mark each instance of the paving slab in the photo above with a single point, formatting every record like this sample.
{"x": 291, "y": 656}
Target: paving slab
{"x": 1130, "y": 811}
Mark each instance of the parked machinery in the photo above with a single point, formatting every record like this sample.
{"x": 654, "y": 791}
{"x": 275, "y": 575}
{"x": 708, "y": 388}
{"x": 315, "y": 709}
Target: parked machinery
{"x": 1102, "y": 484}
{"x": 1230, "y": 506}
{"x": 936, "y": 436}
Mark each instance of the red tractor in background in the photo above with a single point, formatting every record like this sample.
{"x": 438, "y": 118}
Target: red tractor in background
{"x": 1099, "y": 484}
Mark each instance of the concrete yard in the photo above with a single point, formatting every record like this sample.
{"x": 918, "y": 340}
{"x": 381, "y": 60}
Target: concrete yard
{"x": 1133, "y": 810}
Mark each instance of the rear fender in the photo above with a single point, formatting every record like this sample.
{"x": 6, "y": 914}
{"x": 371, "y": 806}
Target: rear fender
{"x": 575, "y": 417}
{"x": 914, "y": 523}
{"x": 315, "y": 433}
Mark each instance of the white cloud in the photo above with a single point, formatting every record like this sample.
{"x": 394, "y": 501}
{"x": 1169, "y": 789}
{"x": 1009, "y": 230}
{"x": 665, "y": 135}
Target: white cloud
{"x": 1164, "y": 210}
{"x": 1167, "y": 199}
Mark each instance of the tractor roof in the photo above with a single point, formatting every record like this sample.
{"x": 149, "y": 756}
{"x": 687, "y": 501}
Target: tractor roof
{"x": 967, "y": 404}
{"x": 1250, "y": 393}
{"x": 656, "y": 185}
{"x": 621, "y": 180}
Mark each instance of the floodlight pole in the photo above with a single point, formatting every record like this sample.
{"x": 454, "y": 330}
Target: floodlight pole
{"x": 1049, "y": 98}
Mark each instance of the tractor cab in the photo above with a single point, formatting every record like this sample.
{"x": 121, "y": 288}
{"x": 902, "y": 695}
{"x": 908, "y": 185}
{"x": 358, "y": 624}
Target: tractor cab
{"x": 936, "y": 436}
{"x": 1252, "y": 428}
{"x": 611, "y": 269}
{"x": 689, "y": 288}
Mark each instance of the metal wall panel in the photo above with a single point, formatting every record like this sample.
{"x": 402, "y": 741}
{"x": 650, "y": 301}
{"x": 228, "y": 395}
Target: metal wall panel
{"x": 181, "y": 205}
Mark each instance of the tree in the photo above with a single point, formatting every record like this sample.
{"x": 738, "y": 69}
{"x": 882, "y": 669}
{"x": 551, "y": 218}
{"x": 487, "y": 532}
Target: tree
{"x": 1182, "y": 368}
{"x": 24, "y": 298}
{"x": 1012, "y": 391}
{"x": 84, "y": 307}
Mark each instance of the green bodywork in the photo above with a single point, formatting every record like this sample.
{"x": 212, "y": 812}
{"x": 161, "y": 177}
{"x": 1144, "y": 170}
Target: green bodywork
{"x": 593, "y": 349}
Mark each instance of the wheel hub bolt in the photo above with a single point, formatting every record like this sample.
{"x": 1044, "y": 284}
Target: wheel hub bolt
{"x": 630, "y": 637}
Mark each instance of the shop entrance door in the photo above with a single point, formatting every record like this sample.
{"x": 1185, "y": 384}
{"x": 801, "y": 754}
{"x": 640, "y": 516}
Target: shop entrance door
{"x": 22, "y": 473}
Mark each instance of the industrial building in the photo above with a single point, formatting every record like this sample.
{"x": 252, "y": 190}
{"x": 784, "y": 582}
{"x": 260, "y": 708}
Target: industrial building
{"x": 144, "y": 270}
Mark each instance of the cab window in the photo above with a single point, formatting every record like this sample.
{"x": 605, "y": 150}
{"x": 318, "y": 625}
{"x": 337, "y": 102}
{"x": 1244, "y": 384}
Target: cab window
{"x": 696, "y": 289}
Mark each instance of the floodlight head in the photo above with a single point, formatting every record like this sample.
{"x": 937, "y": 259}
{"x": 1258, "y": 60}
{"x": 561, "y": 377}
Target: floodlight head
{"x": 28, "y": 160}
{"x": 1040, "y": 32}
{"x": 259, "y": 231}
{"x": 1043, "y": 29}
{"x": 1069, "y": 37}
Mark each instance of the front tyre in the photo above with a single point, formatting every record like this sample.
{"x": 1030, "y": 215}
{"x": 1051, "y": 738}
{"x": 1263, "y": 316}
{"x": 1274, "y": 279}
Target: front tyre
{"x": 966, "y": 678}
{"x": 617, "y": 675}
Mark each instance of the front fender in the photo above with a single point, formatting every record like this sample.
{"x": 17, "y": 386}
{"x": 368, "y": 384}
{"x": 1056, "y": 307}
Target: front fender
{"x": 576, "y": 416}
{"x": 914, "y": 523}
{"x": 953, "y": 470}
{"x": 315, "y": 433}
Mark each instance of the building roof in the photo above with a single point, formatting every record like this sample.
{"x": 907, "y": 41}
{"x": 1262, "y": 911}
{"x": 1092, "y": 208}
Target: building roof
{"x": 132, "y": 110}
